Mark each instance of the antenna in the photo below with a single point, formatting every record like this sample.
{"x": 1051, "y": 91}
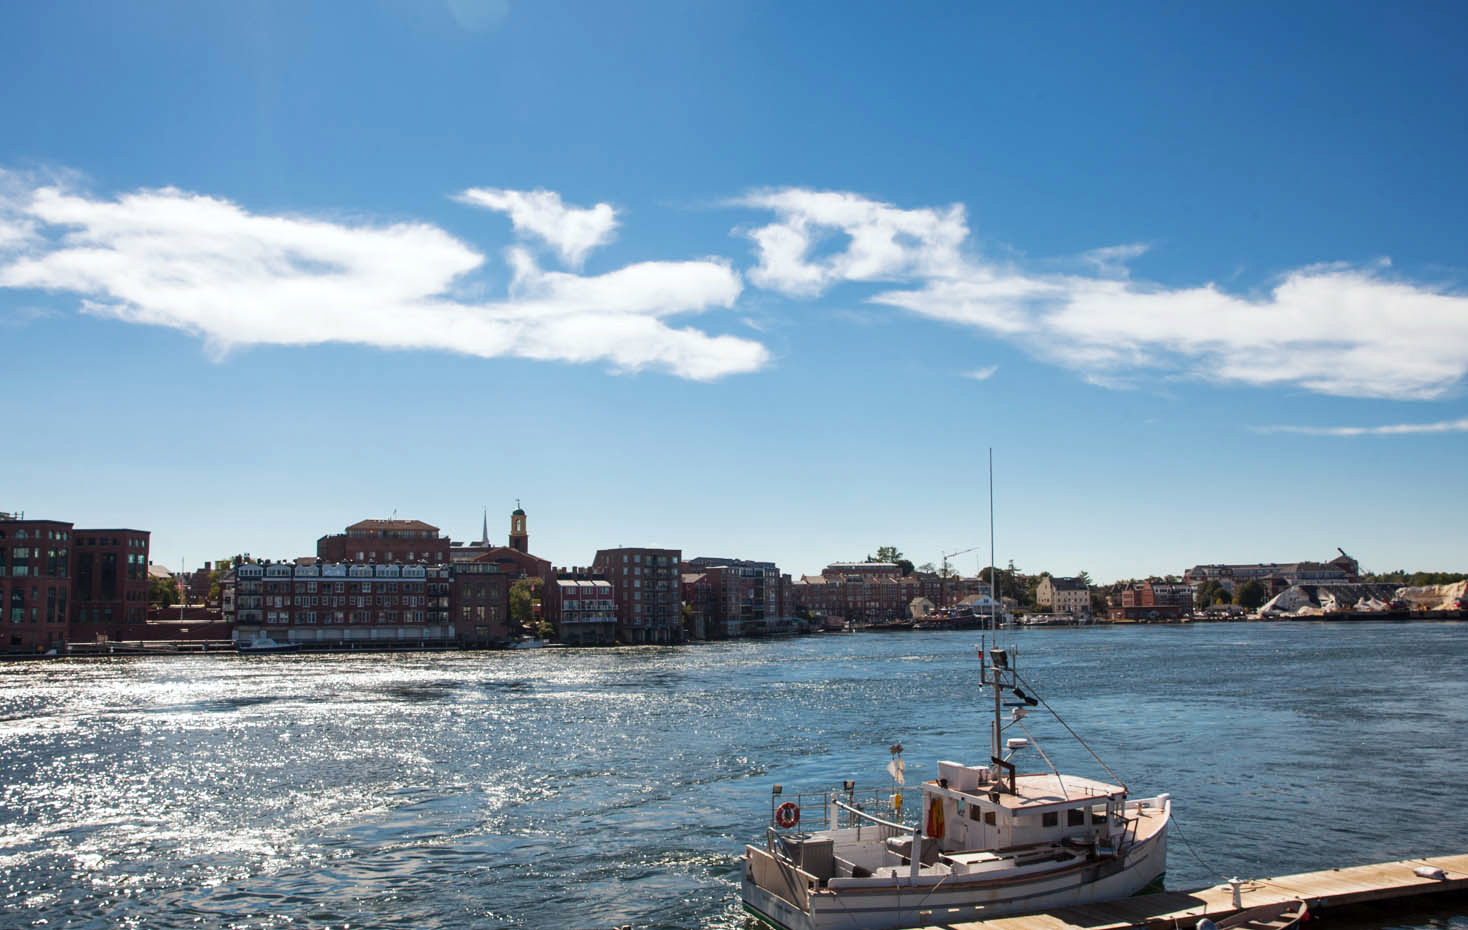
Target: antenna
{"x": 994, "y": 618}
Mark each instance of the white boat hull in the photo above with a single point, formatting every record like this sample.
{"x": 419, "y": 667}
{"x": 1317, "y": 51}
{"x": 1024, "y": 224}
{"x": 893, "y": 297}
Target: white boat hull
{"x": 892, "y": 902}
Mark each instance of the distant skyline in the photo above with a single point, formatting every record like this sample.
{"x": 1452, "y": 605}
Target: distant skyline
{"x": 744, "y": 280}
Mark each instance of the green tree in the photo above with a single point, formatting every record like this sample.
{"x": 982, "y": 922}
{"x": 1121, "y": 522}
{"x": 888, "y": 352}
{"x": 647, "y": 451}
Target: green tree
{"x": 162, "y": 592}
{"x": 1252, "y": 596}
{"x": 1084, "y": 577}
{"x": 522, "y": 602}
{"x": 928, "y": 568}
{"x": 886, "y": 554}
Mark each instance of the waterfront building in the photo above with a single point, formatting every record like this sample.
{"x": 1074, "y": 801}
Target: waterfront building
{"x": 875, "y": 592}
{"x": 343, "y": 603}
{"x": 1276, "y": 576}
{"x": 35, "y": 583}
{"x": 739, "y": 597}
{"x": 1153, "y": 600}
{"x": 581, "y": 606}
{"x": 646, "y": 587}
{"x": 1064, "y": 596}
{"x": 109, "y": 576}
{"x": 385, "y": 541}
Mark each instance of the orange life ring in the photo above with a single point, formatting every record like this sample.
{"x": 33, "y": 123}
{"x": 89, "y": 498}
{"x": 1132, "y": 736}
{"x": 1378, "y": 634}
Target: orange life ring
{"x": 787, "y": 815}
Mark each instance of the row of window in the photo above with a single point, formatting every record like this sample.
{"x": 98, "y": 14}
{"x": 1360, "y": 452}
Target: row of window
{"x": 311, "y": 617}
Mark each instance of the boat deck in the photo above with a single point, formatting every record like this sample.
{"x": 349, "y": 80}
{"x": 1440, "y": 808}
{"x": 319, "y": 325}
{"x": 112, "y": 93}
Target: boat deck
{"x": 1169, "y": 909}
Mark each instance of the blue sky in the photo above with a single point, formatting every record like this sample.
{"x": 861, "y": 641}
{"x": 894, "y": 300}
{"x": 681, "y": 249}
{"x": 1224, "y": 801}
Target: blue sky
{"x": 760, "y": 280}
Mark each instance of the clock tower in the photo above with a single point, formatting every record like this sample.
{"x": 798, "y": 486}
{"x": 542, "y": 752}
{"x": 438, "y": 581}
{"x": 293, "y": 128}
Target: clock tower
{"x": 519, "y": 538}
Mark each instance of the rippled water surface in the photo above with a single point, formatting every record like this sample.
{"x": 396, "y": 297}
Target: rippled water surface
{"x": 584, "y": 789}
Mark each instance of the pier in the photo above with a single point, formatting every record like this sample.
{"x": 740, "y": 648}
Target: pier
{"x": 1326, "y": 890}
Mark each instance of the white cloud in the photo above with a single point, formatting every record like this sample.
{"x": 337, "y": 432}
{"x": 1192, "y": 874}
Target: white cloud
{"x": 881, "y": 242}
{"x": 1329, "y": 329}
{"x": 1399, "y": 429}
{"x": 981, "y": 374}
{"x": 571, "y": 231}
{"x": 171, "y": 258}
{"x": 1112, "y": 259}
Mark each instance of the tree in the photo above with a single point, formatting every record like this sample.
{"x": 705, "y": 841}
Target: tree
{"x": 522, "y": 602}
{"x": 928, "y": 568}
{"x": 905, "y": 567}
{"x": 1252, "y": 596}
{"x": 162, "y": 592}
{"x": 886, "y": 554}
{"x": 1212, "y": 592}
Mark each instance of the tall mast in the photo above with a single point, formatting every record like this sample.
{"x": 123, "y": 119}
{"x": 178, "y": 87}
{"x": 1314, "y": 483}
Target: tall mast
{"x": 993, "y": 617}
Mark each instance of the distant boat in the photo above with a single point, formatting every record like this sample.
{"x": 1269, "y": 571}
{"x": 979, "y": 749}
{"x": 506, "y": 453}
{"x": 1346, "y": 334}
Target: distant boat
{"x": 266, "y": 644}
{"x": 528, "y": 642}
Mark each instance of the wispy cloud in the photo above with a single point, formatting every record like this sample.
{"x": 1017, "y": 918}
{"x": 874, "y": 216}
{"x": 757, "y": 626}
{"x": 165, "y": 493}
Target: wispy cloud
{"x": 981, "y": 374}
{"x": 571, "y": 231}
{"x": 1331, "y": 329}
{"x": 1397, "y": 429}
{"x": 171, "y": 258}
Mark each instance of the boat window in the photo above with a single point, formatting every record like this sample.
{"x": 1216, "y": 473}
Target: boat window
{"x": 989, "y": 818}
{"x": 1075, "y": 818}
{"x": 974, "y": 813}
{"x": 1050, "y": 819}
{"x": 1098, "y": 814}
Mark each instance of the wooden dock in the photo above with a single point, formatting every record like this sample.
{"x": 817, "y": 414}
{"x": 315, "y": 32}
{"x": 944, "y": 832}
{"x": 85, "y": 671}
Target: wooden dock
{"x": 1167, "y": 910}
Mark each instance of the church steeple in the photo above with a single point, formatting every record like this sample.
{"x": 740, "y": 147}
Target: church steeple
{"x": 519, "y": 538}
{"x": 484, "y": 534}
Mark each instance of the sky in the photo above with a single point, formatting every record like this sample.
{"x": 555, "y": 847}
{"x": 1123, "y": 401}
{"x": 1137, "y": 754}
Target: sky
{"x": 754, "y": 280}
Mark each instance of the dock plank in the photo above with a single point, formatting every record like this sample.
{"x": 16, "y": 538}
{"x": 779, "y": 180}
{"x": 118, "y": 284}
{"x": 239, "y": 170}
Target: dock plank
{"x": 1168, "y": 909}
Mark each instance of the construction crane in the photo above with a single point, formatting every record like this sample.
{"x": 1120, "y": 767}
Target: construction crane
{"x": 943, "y": 578}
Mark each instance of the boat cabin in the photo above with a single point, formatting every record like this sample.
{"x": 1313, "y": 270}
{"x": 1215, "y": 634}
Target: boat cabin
{"x": 967, "y": 808}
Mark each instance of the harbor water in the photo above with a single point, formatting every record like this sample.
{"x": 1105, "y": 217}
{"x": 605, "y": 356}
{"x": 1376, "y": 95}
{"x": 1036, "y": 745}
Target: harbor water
{"x": 559, "y": 788}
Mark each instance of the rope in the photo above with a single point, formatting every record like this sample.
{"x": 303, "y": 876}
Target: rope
{"x": 1177, "y": 825}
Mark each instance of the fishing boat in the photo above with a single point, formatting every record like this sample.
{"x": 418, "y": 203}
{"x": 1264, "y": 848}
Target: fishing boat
{"x": 988, "y": 840}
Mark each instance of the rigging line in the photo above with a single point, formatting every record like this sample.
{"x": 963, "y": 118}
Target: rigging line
{"x": 1207, "y": 865}
{"x": 1036, "y": 743}
{"x": 1073, "y": 733}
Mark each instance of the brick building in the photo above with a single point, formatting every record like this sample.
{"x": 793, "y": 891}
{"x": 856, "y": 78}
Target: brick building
{"x": 385, "y": 541}
{"x": 1153, "y": 600}
{"x": 35, "y": 583}
{"x": 738, "y": 597}
{"x": 647, "y": 588}
{"x": 874, "y": 592}
{"x": 109, "y": 576}
{"x": 341, "y": 603}
{"x": 581, "y": 605}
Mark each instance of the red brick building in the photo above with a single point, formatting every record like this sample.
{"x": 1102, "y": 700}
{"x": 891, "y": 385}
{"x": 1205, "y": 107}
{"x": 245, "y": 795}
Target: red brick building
{"x": 1154, "y": 600}
{"x": 873, "y": 592}
{"x": 35, "y": 583}
{"x": 385, "y": 541}
{"x": 337, "y": 603}
{"x": 582, "y": 607}
{"x": 109, "y": 576}
{"x": 738, "y": 597}
{"x": 648, "y": 592}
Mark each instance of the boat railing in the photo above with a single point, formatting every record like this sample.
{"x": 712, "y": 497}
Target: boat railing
{"x": 845, "y": 807}
{"x": 886, "y": 829}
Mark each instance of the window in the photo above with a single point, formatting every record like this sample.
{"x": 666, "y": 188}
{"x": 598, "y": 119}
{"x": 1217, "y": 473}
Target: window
{"x": 1050, "y": 819}
{"x": 1075, "y": 818}
{"x": 989, "y": 818}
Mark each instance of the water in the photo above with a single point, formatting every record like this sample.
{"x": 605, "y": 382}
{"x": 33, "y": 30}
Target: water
{"x": 585, "y": 789}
